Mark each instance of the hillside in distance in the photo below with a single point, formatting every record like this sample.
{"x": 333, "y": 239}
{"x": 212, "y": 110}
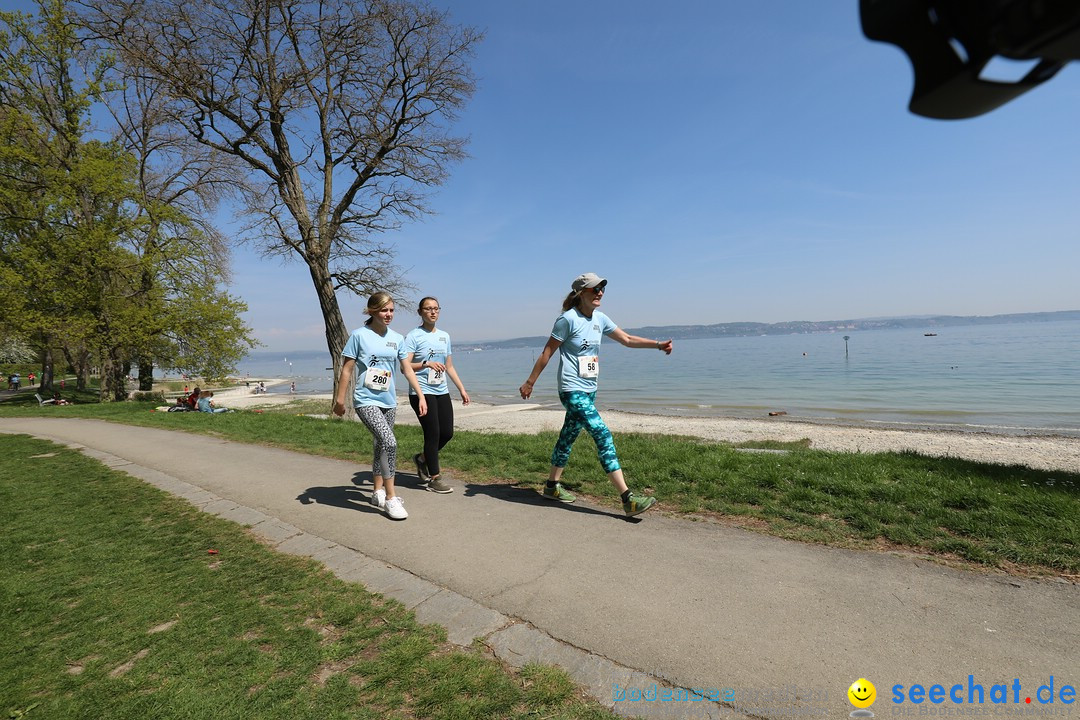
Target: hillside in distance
{"x": 737, "y": 329}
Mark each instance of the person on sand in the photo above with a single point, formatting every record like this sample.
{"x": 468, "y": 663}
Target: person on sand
{"x": 428, "y": 352}
{"x": 576, "y": 337}
{"x": 372, "y": 350}
{"x": 206, "y": 403}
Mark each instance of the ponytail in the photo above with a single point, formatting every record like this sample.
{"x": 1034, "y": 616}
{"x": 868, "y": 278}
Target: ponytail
{"x": 570, "y": 301}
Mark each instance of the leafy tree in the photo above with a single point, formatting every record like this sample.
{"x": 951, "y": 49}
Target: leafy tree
{"x": 88, "y": 251}
{"x": 197, "y": 328}
{"x": 58, "y": 193}
{"x": 339, "y": 110}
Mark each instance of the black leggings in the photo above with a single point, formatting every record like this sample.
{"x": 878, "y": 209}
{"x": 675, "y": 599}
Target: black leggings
{"x": 438, "y": 427}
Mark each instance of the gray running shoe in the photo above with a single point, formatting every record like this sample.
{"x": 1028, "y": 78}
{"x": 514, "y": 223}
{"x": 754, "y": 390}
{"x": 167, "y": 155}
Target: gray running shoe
{"x": 421, "y": 469}
{"x": 438, "y": 486}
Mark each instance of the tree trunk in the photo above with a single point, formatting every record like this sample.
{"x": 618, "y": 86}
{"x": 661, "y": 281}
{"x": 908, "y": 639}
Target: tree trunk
{"x": 81, "y": 365}
{"x": 337, "y": 334}
{"x": 82, "y": 370}
{"x": 105, "y": 375}
{"x": 46, "y": 368}
{"x": 146, "y": 375}
{"x": 113, "y": 376}
{"x": 69, "y": 362}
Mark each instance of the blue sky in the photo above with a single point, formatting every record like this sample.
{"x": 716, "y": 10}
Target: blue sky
{"x": 718, "y": 161}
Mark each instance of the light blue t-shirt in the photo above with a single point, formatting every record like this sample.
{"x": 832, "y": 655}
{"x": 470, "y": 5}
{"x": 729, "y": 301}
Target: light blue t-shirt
{"x": 580, "y": 337}
{"x": 377, "y": 353}
{"x": 431, "y": 346}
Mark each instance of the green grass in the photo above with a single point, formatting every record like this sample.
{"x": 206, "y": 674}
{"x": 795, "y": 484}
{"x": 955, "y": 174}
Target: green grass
{"x": 113, "y": 606}
{"x": 25, "y": 396}
{"x": 1008, "y": 517}
{"x": 990, "y": 515}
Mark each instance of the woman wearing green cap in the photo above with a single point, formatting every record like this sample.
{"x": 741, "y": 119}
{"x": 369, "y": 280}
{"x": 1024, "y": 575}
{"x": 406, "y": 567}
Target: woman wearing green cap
{"x": 576, "y": 337}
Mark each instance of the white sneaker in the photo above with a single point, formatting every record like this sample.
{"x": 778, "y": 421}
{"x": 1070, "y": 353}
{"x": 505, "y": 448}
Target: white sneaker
{"x": 378, "y": 498}
{"x": 395, "y": 509}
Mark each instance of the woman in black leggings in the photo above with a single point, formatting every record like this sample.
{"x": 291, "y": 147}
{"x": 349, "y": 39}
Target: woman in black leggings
{"x": 428, "y": 352}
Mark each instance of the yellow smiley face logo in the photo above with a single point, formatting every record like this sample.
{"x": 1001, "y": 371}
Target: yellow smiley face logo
{"x": 862, "y": 693}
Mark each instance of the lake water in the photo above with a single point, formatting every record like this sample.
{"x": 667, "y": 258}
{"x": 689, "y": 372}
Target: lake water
{"x": 1006, "y": 378}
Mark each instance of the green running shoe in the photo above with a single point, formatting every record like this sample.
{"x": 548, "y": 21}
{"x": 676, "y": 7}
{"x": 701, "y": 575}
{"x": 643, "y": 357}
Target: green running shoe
{"x": 637, "y": 504}
{"x": 557, "y": 493}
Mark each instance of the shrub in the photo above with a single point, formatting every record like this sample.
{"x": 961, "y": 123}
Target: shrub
{"x": 157, "y": 396}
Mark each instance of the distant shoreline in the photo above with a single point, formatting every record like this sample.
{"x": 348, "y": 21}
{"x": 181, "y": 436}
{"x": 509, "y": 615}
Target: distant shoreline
{"x": 749, "y": 329}
{"x": 790, "y": 327}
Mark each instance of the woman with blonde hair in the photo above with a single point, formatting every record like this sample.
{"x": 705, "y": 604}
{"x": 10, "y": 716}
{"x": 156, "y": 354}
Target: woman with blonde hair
{"x": 372, "y": 351}
{"x": 576, "y": 337}
{"x": 429, "y": 353}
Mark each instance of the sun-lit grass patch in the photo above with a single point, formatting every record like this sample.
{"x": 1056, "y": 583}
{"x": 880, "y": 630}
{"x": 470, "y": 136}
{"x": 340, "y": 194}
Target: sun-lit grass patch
{"x": 113, "y": 606}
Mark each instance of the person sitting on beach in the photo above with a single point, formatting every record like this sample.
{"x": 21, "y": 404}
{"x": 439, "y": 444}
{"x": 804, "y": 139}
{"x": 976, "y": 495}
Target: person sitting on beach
{"x": 206, "y": 403}
{"x": 190, "y": 402}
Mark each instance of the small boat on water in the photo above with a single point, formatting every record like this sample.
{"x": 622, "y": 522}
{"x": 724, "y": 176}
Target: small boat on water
{"x": 929, "y": 334}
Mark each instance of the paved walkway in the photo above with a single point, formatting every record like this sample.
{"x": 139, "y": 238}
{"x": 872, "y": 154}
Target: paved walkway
{"x": 624, "y": 604}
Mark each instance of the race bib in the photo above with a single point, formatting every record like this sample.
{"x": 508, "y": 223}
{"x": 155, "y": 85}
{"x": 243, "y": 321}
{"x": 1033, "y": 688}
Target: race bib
{"x": 589, "y": 367}
{"x": 377, "y": 379}
{"x": 436, "y": 377}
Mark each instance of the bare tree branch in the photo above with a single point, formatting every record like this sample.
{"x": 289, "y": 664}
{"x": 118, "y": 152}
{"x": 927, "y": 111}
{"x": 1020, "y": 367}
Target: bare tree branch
{"x": 339, "y": 110}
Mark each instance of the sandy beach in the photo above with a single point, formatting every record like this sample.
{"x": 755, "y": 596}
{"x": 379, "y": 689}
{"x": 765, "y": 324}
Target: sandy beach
{"x": 1046, "y": 453}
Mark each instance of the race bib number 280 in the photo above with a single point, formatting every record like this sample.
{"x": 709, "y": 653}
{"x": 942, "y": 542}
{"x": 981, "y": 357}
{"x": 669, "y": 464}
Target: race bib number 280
{"x": 377, "y": 379}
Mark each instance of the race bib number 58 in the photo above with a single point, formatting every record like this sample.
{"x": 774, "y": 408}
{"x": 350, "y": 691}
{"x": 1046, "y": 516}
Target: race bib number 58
{"x": 589, "y": 367}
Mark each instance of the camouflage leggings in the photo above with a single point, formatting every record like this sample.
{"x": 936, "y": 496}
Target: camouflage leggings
{"x": 581, "y": 415}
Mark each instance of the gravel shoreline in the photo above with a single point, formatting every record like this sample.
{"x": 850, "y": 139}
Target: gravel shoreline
{"x": 1035, "y": 451}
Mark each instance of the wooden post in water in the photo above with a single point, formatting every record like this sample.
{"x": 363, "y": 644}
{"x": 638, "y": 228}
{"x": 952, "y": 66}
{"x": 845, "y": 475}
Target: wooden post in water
{"x": 846, "y": 338}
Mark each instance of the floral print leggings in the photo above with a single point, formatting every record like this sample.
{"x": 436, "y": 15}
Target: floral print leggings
{"x": 380, "y": 421}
